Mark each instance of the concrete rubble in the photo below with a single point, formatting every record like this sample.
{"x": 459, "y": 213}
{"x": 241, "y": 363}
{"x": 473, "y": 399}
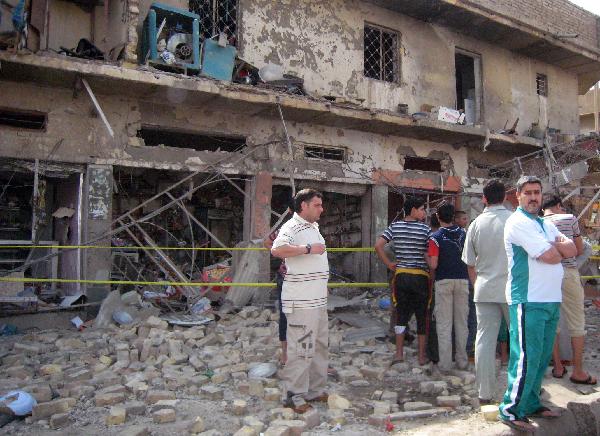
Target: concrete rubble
{"x": 153, "y": 378}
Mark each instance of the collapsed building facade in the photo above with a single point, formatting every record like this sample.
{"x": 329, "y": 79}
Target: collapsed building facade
{"x": 119, "y": 151}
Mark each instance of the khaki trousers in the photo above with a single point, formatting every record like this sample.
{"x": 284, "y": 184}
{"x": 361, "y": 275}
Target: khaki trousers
{"x": 305, "y": 372}
{"x": 452, "y": 309}
{"x": 572, "y": 302}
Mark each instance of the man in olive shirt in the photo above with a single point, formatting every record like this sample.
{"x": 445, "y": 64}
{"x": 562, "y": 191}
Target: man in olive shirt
{"x": 487, "y": 265}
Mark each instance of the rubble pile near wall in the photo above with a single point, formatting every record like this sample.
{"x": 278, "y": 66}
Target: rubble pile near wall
{"x": 152, "y": 377}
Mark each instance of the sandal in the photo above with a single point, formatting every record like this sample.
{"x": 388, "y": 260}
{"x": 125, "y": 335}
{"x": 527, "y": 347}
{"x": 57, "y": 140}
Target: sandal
{"x": 561, "y": 375}
{"x": 588, "y": 381}
{"x": 545, "y": 412}
{"x": 528, "y": 427}
{"x": 395, "y": 361}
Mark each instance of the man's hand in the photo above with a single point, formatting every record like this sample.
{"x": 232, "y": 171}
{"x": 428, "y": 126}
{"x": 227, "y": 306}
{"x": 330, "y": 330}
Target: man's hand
{"x": 317, "y": 249}
{"x": 391, "y": 266}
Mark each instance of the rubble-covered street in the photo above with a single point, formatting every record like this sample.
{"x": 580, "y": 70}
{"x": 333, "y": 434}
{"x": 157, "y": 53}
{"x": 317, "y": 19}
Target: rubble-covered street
{"x": 220, "y": 379}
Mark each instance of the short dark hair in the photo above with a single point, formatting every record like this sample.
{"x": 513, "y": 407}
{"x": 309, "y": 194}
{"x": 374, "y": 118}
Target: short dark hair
{"x": 305, "y": 195}
{"x": 524, "y": 180}
{"x": 494, "y": 191}
{"x": 446, "y": 213}
{"x": 459, "y": 212}
{"x": 434, "y": 221}
{"x": 551, "y": 200}
{"x": 411, "y": 203}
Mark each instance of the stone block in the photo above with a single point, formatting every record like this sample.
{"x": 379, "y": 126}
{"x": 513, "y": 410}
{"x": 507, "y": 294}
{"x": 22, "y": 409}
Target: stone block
{"x": 134, "y": 408}
{"x": 135, "y": 430}
{"x": 272, "y": 394}
{"x": 197, "y": 425}
{"x": 390, "y": 396}
{"x": 411, "y": 406}
{"x": 246, "y": 431}
{"x": 106, "y": 360}
{"x": 335, "y": 417}
{"x": 154, "y": 396}
{"x": 46, "y": 410}
{"x": 164, "y": 416}
{"x": 256, "y": 388}
{"x": 448, "y": 401}
{"x": 336, "y": 401}
{"x": 50, "y": 370}
{"x": 59, "y": 420}
{"x": 164, "y": 404}
{"x": 381, "y": 407}
{"x": 284, "y": 413}
{"x": 277, "y": 431}
{"x": 490, "y": 412}
{"x": 311, "y": 418}
{"x": 239, "y": 407}
{"x": 212, "y": 392}
{"x": 379, "y": 420}
{"x": 109, "y": 399}
{"x": 254, "y": 422}
{"x": 116, "y": 416}
{"x": 372, "y": 373}
{"x": 295, "y": 426}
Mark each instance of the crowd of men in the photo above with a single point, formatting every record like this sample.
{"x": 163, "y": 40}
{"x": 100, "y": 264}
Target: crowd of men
{"x": 512, "y": 268}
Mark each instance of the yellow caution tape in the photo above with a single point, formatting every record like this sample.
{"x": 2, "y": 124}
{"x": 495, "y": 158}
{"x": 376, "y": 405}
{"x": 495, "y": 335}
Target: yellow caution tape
{"x": 108, "y": 247}
{"x": 169, "y": 283}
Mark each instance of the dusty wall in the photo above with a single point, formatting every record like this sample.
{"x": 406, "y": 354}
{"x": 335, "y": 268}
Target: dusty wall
{"x": 68, "y": 23}
{"x": 322, "y": 41}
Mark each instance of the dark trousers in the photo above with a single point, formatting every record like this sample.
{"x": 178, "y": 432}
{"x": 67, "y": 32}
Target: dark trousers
{"x": 282, "y": 317}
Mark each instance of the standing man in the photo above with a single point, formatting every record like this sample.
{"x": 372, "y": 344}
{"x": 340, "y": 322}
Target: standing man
{"x": 451, "y": 289}
{"x": 572, "y": 292}
{"x": 487, "y": 266}
{"x": 304, "y": 301}
{"x": 410, "y": 292}
{"x": 534, "y": 249}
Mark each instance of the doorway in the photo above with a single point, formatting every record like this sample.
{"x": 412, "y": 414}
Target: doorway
{"x": 468, "y": 85}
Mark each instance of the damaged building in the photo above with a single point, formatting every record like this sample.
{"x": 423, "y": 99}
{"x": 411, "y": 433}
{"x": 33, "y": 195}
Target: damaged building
{"x": 130, "y": 124}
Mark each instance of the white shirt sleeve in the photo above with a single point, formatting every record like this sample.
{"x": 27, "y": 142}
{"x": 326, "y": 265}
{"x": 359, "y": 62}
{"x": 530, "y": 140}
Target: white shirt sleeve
{"x": 469, "y": 256}
{"x": 530, "y": 238}
{"x": 284, "y": 237}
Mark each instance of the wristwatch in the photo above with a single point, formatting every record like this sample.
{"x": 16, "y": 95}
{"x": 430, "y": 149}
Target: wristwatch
{"x": 308, "y": 248}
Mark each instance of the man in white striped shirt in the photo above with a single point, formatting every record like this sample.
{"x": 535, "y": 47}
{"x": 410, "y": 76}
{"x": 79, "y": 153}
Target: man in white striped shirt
{"x": 304, "y": 301}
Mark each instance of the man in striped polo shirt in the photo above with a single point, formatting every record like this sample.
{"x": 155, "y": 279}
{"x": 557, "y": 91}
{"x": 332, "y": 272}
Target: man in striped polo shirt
{"x": 572, "y": 292}
{"x": 410, "y": 292}
{"x": 304, "y": 301}
{"x": 534, "y": 249}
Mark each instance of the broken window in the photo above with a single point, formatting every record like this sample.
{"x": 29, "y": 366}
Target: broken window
{"x": 216, "y": 16}
{"x": 422, "y": 164}
{"x": 541, "y": 83}
{"x": 327, "y": 153}
{"x": 23, "y": 119}
{"x": 381, "y": 54}
{"x": 468, "y": 85}
{"x": 157, "y": 136}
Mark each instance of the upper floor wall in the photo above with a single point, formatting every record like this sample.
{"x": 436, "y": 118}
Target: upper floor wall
{"x": 324, "y": 42}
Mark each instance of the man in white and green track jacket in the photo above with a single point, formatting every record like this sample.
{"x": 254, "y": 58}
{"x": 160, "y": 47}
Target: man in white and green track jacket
{"x": 534, "y": 248}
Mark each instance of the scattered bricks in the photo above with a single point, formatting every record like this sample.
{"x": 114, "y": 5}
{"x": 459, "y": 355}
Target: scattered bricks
{"x": 296, "y": 427}
{"x": 448, "y": 401}
{"x": 285, "y": 413}
{"x": 371, "y": 373}
{"x": 197, "y": 425}
{"x": 164, "y": 404}
{"x": 311, "y": 418}
{"x": 46, "y": 410}
{"x": 212, "y": 392}
{"x": 109, "y": 399}
{"x": 381, "y": 407}
{"x": 106, "y": 360}
{"x": 277, "y": 431}
{"x": 490, "y": 412}
{"x": 254, "y": 422}
{"x": 239, "y": 407}
{"x": 136, "y": 430}
{"x": 246, "y": 431}
{"x": 256, "y": 388}
{"x": 134, "y": 408}
{"x": 59, "y": 420}
{"x": 336, "y": 401}
{"x": 50, "y": 370}
{"x": 272, "y": 394}
{"x": 116, "y": 416}
{"x": 155, "y": 396}
{"x": 164, "y": 416}
{"x": 390, "y": 396}
{"x": 416, "y": 405}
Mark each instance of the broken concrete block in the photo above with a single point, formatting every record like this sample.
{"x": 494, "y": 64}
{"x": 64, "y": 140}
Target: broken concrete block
{"x": 197, "y": 425}
{"x": 212, "y": 392}
{"x": 59, "y": 420}
{"x": 246, "y": 431}
{"x": 106, "y": 360}
{"x": 335, "y": 417}
{"x": 156, "y": 322}
{"x": 116, "y": 416}
{"x": 134, "y": 408}
{"x": 295, "y": 426}
{"x": 432, "y": 387}
{"x": 154, "y": 396}
{"x": 254, "y": 422}
{"x": 272, "y": 394}
{"x": 336, "y": 401}
{"x": 285, "y": 413}
{"x": 164, "y": 404}
{"x": 411, "y": 406}
{"x": 109, "y": 399}
{"x": 490, "y": 412}
{"x": 448, "y": 401}
{"x": 381, "y": 407}
{"x": 311, "y": 418}
{"x": 239, "y": 407}
{"x": 50, "y": 370}
{"x": 164, "y": 416}
{"x": 46, "y": 410}
{"x": 277, "y": 431}
{"x": 371, "y": 373}
{"x": 379, "y": 420}
{"x": 256, "y": 388}
{"x": 390, "y": 396}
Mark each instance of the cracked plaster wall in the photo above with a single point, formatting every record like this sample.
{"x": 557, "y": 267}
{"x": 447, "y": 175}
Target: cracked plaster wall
{"x": 322, "y": 41}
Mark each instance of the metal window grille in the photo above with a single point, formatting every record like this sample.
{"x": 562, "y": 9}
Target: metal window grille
{"x": 541, "y": 82}
{"x": 326, "y": 153}
{"x": 216, "y": 16}
{"x": 381, "y": 54}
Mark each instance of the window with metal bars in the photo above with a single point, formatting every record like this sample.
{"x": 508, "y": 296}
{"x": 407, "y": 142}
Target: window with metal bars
{"x": 541, "y": 83}
{"x": 31, "y": 120}
{"x": 326, "y": 153}
{"x": 381, "y": 54}
{"x": 216, "y": 16}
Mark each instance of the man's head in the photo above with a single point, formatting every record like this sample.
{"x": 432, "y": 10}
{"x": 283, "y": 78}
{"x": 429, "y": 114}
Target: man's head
{"x": 529, "y": 194}
{"x": 308, "y": 203}
{"x": 494, "y": 192}
{"x": 446, "y": 213}
{"x": 414, "y": 208}
{"x": 552, "y": 204}
{"x": 461, "y": 219}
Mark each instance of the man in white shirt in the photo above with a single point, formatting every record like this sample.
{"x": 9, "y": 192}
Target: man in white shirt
{"x": 304, "y": 301}
{"x": 486, "y": 262}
